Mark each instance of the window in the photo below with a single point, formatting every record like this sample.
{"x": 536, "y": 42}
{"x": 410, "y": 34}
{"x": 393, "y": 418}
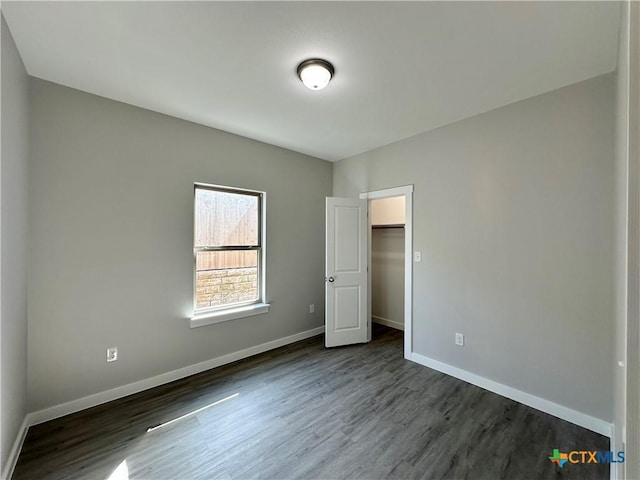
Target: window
{"x": 228, "y": 253}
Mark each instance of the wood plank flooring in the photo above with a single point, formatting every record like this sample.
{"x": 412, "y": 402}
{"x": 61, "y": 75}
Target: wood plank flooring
{"x": 303, "y": 411}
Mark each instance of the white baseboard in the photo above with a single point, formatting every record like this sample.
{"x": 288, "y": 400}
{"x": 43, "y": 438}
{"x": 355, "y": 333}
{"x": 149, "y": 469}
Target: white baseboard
{"x": 89, "y": 401}
{"x": 387, "y": 322}
{"x": 565, "y": 413}
{"x": 15, "y": 450}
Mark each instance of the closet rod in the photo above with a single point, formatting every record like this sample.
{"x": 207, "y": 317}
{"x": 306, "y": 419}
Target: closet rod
{"x": 399, "y": 225}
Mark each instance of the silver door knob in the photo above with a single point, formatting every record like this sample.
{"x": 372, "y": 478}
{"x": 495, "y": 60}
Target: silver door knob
{"x": 331, "y": 279}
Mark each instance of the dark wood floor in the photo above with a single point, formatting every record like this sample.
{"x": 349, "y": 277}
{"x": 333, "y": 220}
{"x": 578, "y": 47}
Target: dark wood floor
{"x": 303, "y": 411}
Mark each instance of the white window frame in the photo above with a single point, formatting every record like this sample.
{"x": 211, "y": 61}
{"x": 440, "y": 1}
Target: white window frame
{"x": 223, "y": 313}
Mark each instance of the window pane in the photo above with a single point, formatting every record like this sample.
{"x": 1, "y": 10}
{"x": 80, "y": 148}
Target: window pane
{"x": 225, "y": 219}
{"x": 226, "y": 278}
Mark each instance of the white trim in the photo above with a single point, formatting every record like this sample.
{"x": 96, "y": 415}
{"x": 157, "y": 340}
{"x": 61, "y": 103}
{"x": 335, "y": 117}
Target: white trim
{"x": 387, "y": 192}
{"x": 113, "y": 394}
{"x": 407, "y": 191}
{"x": 225, "y": 315}
{"x": 387, "y": 322}
{"x": 408, "y": 273}
{"x": 15, "y": 450}
{"x": 582, "y": 419}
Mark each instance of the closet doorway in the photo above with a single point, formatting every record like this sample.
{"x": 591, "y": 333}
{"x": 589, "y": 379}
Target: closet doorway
{"x": 390, "y": 249}
{"x": 387, "y": 261}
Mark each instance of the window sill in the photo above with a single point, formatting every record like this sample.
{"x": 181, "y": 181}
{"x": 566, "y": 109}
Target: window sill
{"x": 210, "y": 318}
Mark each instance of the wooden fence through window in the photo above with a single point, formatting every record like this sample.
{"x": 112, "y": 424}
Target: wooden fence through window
{"x": 226, "y": 260}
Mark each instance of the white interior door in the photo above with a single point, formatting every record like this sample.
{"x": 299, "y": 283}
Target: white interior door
{"x": 346, "y": 290}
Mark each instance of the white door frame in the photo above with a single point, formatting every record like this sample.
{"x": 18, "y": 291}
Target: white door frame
{"x": 407, "y": 192}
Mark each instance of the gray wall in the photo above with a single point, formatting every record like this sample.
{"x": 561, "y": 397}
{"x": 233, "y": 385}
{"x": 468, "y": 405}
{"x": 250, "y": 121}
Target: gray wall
{"x": 13, "y": 241}
{"x": 387, "y": 274}
{"x": 111, "y": 241}
{"x": 513, "y": 213}
{"x": 627, "y": 275}
{"x": 621, "y": 183}
{"x": 633, "y": 320}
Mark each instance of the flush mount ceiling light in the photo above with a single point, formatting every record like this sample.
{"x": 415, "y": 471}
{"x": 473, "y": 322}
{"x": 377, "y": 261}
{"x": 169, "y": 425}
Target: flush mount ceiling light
{"x": 315, "y": 73}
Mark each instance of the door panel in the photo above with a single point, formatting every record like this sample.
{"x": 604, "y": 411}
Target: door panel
{"x": 347, "y": 316}
{"x": 346, "y": 307}
{"x": 347, "y": 240}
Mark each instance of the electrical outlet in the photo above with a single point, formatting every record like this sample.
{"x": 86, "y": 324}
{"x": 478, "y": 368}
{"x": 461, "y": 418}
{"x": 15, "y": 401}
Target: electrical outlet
{"x": 112, "y": 354}
{"x": 312, "y": 308}
{"x": 460, "y": 339}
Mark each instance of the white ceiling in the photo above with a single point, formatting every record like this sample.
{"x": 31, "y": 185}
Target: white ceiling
{"x": 401, "y": 68}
